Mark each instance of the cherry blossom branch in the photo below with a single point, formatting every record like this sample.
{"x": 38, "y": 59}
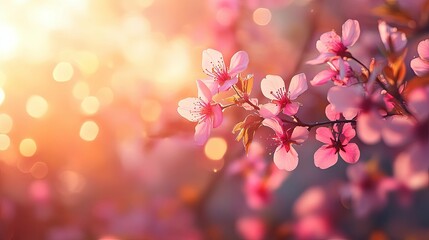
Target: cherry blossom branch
{"x": 246, "y": 99}
{"x": 393, "y": 92}
{"x": 298, "y": 122}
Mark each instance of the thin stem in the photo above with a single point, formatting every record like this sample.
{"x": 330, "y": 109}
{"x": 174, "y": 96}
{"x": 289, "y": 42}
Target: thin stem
{"x": 393, "y": 92}
{"x": 298, "y": 122}
{"x": 246, "y": 99}
{"x": 227, "y": 106}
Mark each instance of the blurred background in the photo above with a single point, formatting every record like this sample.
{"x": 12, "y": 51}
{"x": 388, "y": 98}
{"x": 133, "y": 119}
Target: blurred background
{"x": 92, "y": 146}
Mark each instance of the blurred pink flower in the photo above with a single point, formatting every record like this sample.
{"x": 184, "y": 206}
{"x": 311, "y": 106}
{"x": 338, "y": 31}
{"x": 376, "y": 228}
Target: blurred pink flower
{"x": 331, "y": 44}
{"x": 367, "y": 189}
{"x": 259, "y": 188}
{"x": 273, "y": 88}
{"x": 285, "y": 156}
{"x": 221, "y": 77}
{"x": 340, "y": 73}
{"x": 251, "y": 228}
{"x": 337, "y": 142}
{"x": 352, "y": 101}
{"x": 393, "y": 40}
{"x": 203, "y": 111}
{"x": 420, "y": 65}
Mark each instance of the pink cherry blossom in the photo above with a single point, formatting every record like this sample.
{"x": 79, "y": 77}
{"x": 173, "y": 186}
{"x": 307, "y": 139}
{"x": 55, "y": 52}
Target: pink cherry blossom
{"x": 221, "y": 77}
{"x": 251, "y": 228}
{"x": 337, "y": 141}
{"x": 367, "y": 190}
{"x": 340, "y": 73}
{"x": 393, "y": 40}
{"x": 331, "y": 44}
{"x": 352, "y": 101}
{"x": 273, "y": 88}
{"x": 201, "y": 110}
{"x": 420, "y": 65}
{"x": 285, "y": 156}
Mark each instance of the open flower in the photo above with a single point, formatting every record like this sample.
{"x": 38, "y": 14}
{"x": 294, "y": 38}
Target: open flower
{"x": 201, "y": 110}
{"x": 340, "y": 73}
{"x": 393, "y": 40}
{"x": 337, "y": 141}
{"x": 221, "y": 77}
{"x": 273, "y": 88}
{"x": 331, "y": 44}
{"x": 285, "y": 156}
{"x": 420, "y": 65}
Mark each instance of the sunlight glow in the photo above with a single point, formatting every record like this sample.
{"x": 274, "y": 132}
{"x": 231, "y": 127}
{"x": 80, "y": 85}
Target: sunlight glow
{"x": 215, "y": 148}
{"x": 89, "y": 131}
{"x": 36, "y": 106}
{"x": 63, "y": 72}
{"x": 27, "y": 147}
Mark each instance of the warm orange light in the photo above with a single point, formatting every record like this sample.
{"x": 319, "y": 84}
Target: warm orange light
{"x": 27, "y": 147}
{"x": 215, "y": 148}
{"x": 63, "y": 72}
{"x": 36, "y": 106}
{"x": 262, "y": 16}
{"x": 89, "y": 131}
{"x": 4, "y": 142}
{"x": 80, "y": 90}
{"x": 87, "y": 62}
{"x": 6, "y": 123}
{"x": 90, "y": 105}
{"x": 39, "y": 170}
{"x": 150, "y": 110}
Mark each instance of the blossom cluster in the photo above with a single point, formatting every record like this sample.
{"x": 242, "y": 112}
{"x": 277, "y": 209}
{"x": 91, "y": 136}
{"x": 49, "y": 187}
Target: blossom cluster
{"x": 372, "y": 102}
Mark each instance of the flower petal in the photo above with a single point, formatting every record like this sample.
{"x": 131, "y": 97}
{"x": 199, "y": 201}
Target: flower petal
{"x": 324, "y": 135}
{"x": 275, "y": 124}
{"x": 420, "y": 67}
{"x": 350, "y": 32}
{"x": 423, "y": 49}
{"x": 298, "y": 85}
{"x": 202, "y": 131}
{"x": 418, "y": 101}
{"x": 217, "y": 115}
{"x": 345, "y": 98}
{"x": 270, "y": 85}
{"x": 269, "y": 110}
{"x": 322, "y": 58}
{"x": 299, "y": 134}
{"x": 348, "y": 133}
{"x": 204, "y": 92}
{"x": 284, "y": 159}
{"x": 397, "y": 130}
{"x": 325, "y": 157}
{"x": 351, "y": 153}
{"x": 323, "y": 77}
{"x": 211, "y": 59}
{"x": 369, "y": 126}
{"x": 291, "y": 108}
{"x": 331, "y": 114}
{"x": 187, "y": 109}
{"x": 239, "y": 62}
{"x": 227, "y": 84}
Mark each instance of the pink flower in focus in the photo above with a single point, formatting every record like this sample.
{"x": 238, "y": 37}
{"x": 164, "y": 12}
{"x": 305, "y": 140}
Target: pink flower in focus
{"x": 340, "y": 73}
{"x": 201, "y": 110}
{"x": 285, "y": 156}
{"x": 336, "y": 142}
{"x": 331, "y": 44}
{"x": 273, "y": 88}
{"x": 222, "y": 78}
{"x": 420, "y": 65}
{"x": 393, "y": 40}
